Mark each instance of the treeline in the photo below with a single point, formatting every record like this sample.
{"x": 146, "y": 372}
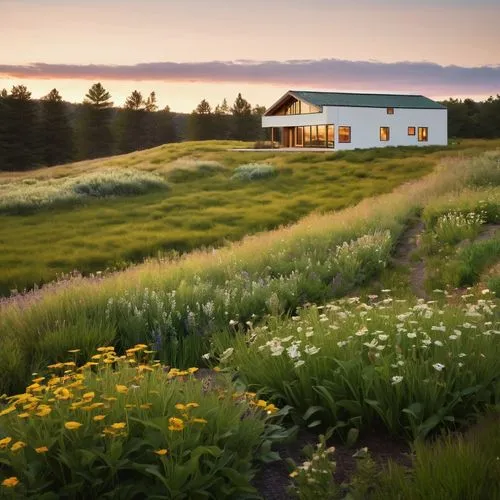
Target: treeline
{"x": 51, "y": 131}
{"x": 472, "y": 119}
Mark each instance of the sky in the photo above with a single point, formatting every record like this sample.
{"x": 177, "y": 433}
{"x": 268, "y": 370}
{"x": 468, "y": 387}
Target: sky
{"x": 189, "y": 50}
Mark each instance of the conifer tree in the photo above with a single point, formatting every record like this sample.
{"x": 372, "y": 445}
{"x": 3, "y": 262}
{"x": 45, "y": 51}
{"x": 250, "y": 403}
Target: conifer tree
{"x": 19, "y": 130}
{"x": 56, "y": 131}
{"x": 243, "y": 124}
{"x": 95, "y": 123}
{"x": 200, "y": 125}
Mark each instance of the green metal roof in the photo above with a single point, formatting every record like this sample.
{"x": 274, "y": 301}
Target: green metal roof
{"x": 366, "y": 100}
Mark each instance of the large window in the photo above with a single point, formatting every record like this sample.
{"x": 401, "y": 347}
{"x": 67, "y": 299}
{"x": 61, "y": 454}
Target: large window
{"x": 295, "y": 107}
{"x": 344, "y": 134}
{"x": 299, "y": 139}
{"x": 307, "y": 137}
{"x": 330, "y": 136}
{"x": 390, "y": 111}
{"x": 385, "y": 133}
{"x": 423, "y": 134}
{"x": 411, "y": 130}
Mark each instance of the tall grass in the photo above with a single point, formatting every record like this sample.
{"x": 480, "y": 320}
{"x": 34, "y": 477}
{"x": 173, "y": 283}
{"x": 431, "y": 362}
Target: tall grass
{"x": 177, "y": 305}
{"x": 29, "y": 195}
{"x": 455, "y": 467}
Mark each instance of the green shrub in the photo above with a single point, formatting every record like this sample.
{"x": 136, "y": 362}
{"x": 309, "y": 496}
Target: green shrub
{"x": 411, "y": 368}
{"x": 24, "y": 197}
{"x": 254, "y": 171}
{"x": 129, "y": 428}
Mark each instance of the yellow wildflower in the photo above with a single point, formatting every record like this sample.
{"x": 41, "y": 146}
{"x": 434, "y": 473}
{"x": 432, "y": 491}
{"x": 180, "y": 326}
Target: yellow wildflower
{"x": 55, "y": 366}
{"x": 38, "y": 380}
{"x": 180, "y": 407}
{"x": 10, "y": 482}
{"x": 89, "y": 395}
{"x": 74, "y": 351}
{"x": 199, "y": 421}
{"x": 109, "y": 398}
{"x": 96, "y": 356}
{"x": 144, "y": 368}
{"x": 129, "y": 406}
{"x": 42, "y": 449}
{"x": 5, "y": 442}
{"x": 122, "y": 389}
{"x": 109, "y": 361}
{"x": 105, "y": 349}
{"x": 71, "y": 426}
{"x": 8, "y": 410}
{"x": 192, "y": 405}
{"x": 98, "y": 418}
{"x": 294, "y": 474}
{"x": 54, "y": 381}
{"x": 176, "y": 424}
{"x": 261, "y": 403}
{"x": 130, "y": 352}
{"x": 62, "y": 393}
{"x": 23, "y": 415}
{"x": 145, "y": 406}
{"x": 43, "y": 411}
{"x": 192, "y": 370}
{"x": 161, "y": 452}
{"x": 70, "y": 363}
{"x": 18, "y": 445}
{"x": 140, "y": 346}
{"x": 119, "y": 426}
{"x": 270, "y": 408}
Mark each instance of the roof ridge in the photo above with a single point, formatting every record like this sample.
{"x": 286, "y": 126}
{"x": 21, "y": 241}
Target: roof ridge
{"x": 357, "y": 93}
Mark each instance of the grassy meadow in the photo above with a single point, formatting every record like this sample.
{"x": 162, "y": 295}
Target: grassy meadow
{"x": 108, "y": 213}
{"x": 156, "y": 375}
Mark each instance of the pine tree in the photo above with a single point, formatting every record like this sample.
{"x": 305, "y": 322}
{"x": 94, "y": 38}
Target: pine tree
{"x": 98, "y": 97}
{"x": 56, "y": 131}
{"x": 134, "y": 101}
{"x": 95, "y": 128}
{"x": 222, "y": 121}
{"x": 243, "y": 124}
{"x": 19, "y": 130}
{"x": 150, "y": 104}
{"x": 200, "y": 125}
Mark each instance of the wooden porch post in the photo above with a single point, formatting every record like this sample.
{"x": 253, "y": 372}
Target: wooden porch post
{"x": 272, "y": 137}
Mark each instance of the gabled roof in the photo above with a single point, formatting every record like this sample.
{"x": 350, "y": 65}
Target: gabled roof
{"x": 360, "y": 100}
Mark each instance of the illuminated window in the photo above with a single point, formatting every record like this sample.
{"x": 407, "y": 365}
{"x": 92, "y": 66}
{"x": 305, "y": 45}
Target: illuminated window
{"x": 329, "y": 136}
{"x": 344, "y": 134}
{"x": 411, "y": 130}
{"x": 307, "y": 136}
{"x": 423, "y": 134}
{"x": 390, "y": 111}
{"x": 385, "y": 133}
{"x": 300, "y": 136}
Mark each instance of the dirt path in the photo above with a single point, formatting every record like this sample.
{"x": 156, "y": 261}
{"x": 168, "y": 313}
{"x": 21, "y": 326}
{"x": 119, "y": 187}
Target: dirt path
{"x": 403, "y": 257}
{"x": 273, "y": 479}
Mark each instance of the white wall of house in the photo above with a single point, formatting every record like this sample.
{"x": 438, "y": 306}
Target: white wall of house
{"x": 365, "y": 125}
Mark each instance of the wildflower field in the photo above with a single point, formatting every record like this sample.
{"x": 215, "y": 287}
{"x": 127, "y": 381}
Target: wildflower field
{"x": 182, "y": 378}
{"x": 108, "y": 213}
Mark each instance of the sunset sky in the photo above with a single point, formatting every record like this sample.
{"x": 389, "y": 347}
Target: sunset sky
{"x": 187, "y": 50}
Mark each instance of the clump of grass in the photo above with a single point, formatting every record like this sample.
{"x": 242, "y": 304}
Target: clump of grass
{"x": 29, "y": 195}
{"x": 454, "y": 467}
{"x": 254, "y": 171}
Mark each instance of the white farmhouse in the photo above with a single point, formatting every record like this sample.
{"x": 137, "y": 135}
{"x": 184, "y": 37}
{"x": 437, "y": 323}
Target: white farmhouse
{"x": 302, "y": 119}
